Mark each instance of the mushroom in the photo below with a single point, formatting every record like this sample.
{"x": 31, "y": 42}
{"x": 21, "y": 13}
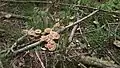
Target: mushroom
{"x": 116, "y": 43}
{"x": 47, "y": 30}
{"x": 51, "y": 45}
{"x": 45, "y": 38}
{"x": 38, "y": 31}
{"x": 32, "y": 33}
{"x": 54, "y": 35}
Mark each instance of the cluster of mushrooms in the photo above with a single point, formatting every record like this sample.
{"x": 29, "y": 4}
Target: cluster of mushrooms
{"x": 48, "y": 36}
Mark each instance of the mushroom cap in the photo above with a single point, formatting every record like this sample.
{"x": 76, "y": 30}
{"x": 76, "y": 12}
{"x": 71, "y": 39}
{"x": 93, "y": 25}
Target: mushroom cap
{"x": 45, "y": 38}
{"x": 8, "y": 15}
{"x": 116, "y": 43}
{"x": 51, "y": 45}
{"x": 32, "y": 33}
{"x": 54, "y": 35}
{"x": 38, "y": 31}
{"x": 47, "y": 30}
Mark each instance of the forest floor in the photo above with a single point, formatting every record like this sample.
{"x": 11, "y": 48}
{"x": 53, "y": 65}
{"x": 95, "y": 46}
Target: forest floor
{"x": 12, "y": 23}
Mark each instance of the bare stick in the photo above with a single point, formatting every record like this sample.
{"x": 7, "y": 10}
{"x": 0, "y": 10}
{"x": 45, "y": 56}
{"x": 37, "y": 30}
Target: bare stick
{"x": 39, "y": 59}
{"x": 3, "y": 4}
{"x": 94, "y": 61}
{"x": 84, "y": 37}
{"x": 10, "y": 15}
{"x": 2, "y": 30}
{"x": 27, "y": 47}
{"x": 111, "y": 55}
{"x": 74, "y": 29}
{"x": 15, "y": 44}
{"x": 1, "y": 65}
{"x": 72, "y": 33}
{"x": 77, "y": 22}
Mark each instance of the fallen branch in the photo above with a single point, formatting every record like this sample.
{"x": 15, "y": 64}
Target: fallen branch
{"x": 72, "y": 33}
{"x": 94, "y": 61}
{"x": 15, "y": 44}
{"x": 74, "y": 29}
{"x": 78, "y": 21}
{"x": 2, "y": 30}
{"x": 3, "y": 4}
{"x": 1, "y": 65}
{"x": 27, "y": 47}
{"x": 39, "y": 59}
{"x": 10, "y": 15}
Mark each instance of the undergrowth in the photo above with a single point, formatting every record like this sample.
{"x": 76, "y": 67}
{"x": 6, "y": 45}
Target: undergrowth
{"x": 97, "y": 29}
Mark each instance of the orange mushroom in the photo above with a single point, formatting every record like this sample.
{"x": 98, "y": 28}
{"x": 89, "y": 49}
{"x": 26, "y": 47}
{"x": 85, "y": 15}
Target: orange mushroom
{"x": 54, "y": 35}
{"x": 51, "y": 45}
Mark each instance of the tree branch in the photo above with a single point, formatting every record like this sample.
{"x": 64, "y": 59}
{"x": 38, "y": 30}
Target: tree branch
{"x": 10, "y": 15}
{"x": 94, "y": 61}
{"x": 78, "y": 21}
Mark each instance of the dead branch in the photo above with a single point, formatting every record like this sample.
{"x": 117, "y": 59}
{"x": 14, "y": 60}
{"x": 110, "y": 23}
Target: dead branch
{"x": 10, "y": 15}
{"x": 2, "y": 30}
{"x": 27, "y": 47}
{"x": 112, "y": 56}
{"x": 64, "y": 4}
{"x": 84, "y": 37}
{"x": 15, "y": 44}
{"x": 72, "y": 33}
{"x": 3, "y": 4}
{"x": 74, "y": 29}
{"x": 95, "y": 61}
{"x": 1, "y": 65}
{"x": 78, "y": 21}
{"x": 39, "y": 59}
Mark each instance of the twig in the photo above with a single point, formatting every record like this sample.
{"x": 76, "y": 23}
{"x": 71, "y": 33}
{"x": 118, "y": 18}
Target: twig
{"x": 77, "y": 22}
{"x": 72, "y": 33}
{"x": 39, "y": 59}
{"x": 64, "y": 4}
{"x": 3, "y": 4}
{"x": 27, "y": 47}
{"x": 84, "y": 37}
{"x": 82, "y": 65}
{"x": 1, "y": 65}
{"x": 11, "y": 1}
{"x": 94, "y": 61}
{"x": 116, "y": 29}
{"x": 15, "y": 44}
{"x": 111, "y": 55}
{"x": 2, "y": 30}
{"x": 74, "y": 29}
{"x": 10, "y": 15}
